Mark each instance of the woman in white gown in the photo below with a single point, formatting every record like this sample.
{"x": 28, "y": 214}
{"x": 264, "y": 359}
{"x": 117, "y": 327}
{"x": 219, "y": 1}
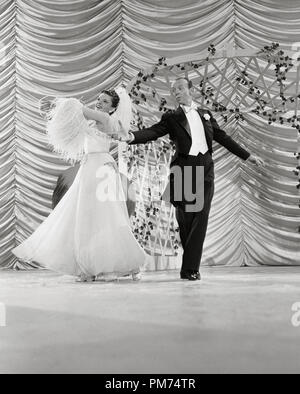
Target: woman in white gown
{"x": 88, "y": 233}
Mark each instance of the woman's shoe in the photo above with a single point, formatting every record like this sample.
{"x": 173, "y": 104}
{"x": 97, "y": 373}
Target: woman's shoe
{"x": 136, "y": 276}
{"x": 84, "y": 278}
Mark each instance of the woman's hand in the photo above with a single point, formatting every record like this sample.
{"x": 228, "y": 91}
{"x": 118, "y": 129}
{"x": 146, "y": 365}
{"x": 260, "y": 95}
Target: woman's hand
{"x": 45, "y": 106}
{"x": 115, "y": 137}
{"x": 128, "y": 138}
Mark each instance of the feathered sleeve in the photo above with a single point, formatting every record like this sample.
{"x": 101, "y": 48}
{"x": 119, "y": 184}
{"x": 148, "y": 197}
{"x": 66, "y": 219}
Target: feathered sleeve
{"x": 67, "y": 128}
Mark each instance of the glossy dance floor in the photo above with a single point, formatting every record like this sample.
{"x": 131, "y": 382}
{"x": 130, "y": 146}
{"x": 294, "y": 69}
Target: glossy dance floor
{"x": 236, "y": 320}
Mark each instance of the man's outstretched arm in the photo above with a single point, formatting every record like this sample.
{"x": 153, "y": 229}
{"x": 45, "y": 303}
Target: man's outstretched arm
{"x": 225, "y": 140}
{"x": 149, "y": 134}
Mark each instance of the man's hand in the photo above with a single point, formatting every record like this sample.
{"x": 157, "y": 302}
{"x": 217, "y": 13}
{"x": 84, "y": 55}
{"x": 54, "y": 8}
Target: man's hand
{"x": 257, "y": 161}
{"x": 129, "y": 138}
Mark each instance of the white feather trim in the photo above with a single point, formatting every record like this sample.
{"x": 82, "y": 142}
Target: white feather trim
{"x": 67, "y": 128}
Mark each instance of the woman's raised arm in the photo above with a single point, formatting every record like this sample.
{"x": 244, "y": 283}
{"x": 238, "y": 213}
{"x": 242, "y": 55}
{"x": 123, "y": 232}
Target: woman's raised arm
{"x": 98, "y": 116}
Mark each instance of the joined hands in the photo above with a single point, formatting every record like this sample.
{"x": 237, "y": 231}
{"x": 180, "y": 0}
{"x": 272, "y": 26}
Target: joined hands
{"x": 122, "y": 135}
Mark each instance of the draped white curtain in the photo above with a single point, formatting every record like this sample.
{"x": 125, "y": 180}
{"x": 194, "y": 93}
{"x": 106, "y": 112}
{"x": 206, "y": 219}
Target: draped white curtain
{"x": 79, "y": 47}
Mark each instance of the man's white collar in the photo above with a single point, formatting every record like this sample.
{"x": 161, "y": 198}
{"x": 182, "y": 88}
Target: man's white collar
{"x": 188, "y": 108}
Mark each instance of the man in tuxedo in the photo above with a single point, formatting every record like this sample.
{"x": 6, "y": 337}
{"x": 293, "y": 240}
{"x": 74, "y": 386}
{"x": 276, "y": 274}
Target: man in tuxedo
{"x": 192, "y": 130}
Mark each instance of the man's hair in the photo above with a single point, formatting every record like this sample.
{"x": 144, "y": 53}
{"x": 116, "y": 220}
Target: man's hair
{"x": 115, "y": 99}
{"x": 190, "y": 83}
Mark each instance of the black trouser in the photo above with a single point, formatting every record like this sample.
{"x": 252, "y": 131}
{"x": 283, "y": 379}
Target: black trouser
{"x": 193, "y": 225}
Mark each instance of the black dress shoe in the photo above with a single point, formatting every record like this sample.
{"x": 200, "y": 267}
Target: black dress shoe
{"x": 197, "y": 274}
{"x": 188, "y": 275}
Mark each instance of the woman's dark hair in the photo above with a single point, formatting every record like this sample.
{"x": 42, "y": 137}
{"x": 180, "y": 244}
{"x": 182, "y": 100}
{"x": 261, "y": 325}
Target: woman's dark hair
{"x": 115, "y": 99}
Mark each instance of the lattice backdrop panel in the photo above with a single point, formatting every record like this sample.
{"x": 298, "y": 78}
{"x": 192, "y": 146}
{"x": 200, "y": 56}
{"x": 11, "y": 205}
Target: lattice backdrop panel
{"x": 78, "y": 48}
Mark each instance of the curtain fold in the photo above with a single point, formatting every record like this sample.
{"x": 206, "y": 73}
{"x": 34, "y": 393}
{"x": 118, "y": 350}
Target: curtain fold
{"x": 79, "y": 47}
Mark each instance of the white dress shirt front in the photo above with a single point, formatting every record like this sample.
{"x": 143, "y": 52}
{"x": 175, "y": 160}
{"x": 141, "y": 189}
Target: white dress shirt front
{"x": 199, "y": 143}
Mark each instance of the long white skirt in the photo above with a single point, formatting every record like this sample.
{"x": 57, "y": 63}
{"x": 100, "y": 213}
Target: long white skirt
{"x": 89, "y": 231}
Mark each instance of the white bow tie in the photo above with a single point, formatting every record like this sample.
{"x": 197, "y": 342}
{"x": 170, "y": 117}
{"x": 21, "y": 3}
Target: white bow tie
{"x": 189, "y": 108}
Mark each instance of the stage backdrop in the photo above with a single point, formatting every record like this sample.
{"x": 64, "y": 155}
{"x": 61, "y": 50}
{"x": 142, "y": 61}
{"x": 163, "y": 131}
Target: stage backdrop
{"x": 79, "y": 47}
